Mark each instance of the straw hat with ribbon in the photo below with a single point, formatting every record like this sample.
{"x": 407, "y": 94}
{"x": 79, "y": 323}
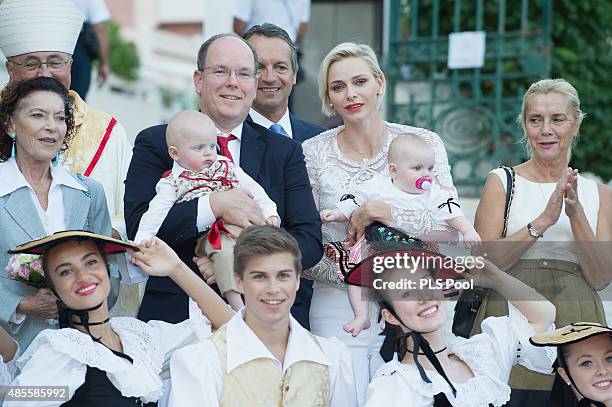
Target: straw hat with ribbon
{"x": 107, "y": 245}
{"x": 572, "y": 333}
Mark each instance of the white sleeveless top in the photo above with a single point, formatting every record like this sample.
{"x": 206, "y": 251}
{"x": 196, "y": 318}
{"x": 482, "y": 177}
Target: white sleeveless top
{"x": 530, "y": 199}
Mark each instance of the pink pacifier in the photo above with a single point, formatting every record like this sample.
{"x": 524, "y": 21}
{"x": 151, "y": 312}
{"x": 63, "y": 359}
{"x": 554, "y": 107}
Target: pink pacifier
{"x": 424, "y": 183}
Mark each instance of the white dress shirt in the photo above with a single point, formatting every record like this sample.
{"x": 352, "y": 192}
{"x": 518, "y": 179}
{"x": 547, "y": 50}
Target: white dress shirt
{"x": 234, "y": 145}
{"x": 284, "y": 121}
{"x": 53, "y": 218}
{"x": 205, "y": 216}
{"x": 197, "y": 374}
{"x": 166, "y": 196}
{"x": 95, "y": 11}
{"x": 287, "y": 14}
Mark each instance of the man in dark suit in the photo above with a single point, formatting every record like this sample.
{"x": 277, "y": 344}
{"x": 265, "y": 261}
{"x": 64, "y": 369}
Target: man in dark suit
{"x": 278, "y": 67}
{"x": 226, "y": 83}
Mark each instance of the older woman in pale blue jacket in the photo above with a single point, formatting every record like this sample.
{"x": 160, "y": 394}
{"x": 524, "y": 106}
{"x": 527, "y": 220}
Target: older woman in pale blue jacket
{"x": 37, "y": 196}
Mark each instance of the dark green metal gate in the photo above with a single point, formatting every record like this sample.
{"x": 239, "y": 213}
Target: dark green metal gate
{"x": 473, "y": 110}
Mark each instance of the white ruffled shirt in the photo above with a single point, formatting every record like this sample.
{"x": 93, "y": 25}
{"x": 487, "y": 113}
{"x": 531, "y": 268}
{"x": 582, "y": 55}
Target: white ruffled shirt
{"x": 197, "y": 374}
{"x": 504, "y": 342}
{"x": 60, "y": 357}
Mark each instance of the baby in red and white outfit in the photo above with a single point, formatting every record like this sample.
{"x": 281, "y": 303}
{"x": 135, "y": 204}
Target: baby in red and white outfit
{"x": 198, "y": 171}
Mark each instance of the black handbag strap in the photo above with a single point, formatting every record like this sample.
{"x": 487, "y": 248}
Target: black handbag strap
{"x": 510, "y": 178}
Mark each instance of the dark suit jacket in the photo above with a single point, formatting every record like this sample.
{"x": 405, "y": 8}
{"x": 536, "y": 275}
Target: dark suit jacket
{"x": 303, "y": 130}
{"x": 275, "y": 162}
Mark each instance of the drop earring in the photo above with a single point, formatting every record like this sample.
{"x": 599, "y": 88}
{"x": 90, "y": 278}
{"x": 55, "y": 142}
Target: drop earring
{"x": 12, "y": 135}
{"x": 56, "y": 160}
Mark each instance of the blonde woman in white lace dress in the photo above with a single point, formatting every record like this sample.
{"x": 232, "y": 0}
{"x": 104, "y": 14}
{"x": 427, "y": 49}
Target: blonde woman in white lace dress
{"x": 338, "y": 161}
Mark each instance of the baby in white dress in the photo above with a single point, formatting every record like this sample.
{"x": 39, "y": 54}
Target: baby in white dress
{"x": 407, "y": 187}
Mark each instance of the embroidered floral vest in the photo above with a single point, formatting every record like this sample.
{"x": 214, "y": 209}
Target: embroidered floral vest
{"x": 258, "y": 383}
{"x": 193, "y": 184}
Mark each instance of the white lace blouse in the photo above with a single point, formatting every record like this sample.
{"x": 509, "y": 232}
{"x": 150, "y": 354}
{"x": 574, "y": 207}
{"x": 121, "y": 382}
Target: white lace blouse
{"x": 504, "y": 342}
{"x": 60, "y": 357}
{"x": 333, "y": 175}
{"x": 5, "y": 372}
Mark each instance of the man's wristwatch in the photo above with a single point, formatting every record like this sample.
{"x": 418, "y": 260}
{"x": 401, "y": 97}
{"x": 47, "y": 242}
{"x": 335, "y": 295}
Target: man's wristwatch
{"x": 533, "y": 231}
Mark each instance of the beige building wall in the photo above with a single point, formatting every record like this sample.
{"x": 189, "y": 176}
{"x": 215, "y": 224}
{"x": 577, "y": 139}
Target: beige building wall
{"x": 168, "y": 34}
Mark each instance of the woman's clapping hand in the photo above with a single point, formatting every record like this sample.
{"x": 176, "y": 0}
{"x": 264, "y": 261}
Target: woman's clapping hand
{"x": 551, "y": 213}
{"x": 573, "y": 207}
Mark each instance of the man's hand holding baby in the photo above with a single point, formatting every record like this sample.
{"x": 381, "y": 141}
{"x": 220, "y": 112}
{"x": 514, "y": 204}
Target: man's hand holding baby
{"x": 236, "y": 207}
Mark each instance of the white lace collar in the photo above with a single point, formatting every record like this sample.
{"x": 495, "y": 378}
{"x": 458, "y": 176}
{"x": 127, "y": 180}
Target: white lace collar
{"x": 504, "y": 342}
{"x": 140, "y": 379}
{"x": 480, "y": 390}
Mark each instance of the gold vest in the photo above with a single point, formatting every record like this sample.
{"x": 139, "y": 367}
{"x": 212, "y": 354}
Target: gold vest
{"x": 258, "y": 383}
{"x": 90, "y": 127}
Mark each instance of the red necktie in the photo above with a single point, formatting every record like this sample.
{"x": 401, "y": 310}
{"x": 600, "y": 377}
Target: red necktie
{"x": 223, "y": 145}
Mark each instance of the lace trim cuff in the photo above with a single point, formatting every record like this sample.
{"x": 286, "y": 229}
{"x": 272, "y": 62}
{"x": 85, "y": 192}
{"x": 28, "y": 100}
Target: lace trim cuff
{"x": 324, "y": 272}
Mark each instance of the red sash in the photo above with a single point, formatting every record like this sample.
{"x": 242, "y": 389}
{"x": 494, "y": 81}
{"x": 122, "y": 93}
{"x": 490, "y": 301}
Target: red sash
{"x": 98, "y": 154}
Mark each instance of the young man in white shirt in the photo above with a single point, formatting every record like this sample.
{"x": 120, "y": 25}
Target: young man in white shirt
{"x": 262, "y": 356}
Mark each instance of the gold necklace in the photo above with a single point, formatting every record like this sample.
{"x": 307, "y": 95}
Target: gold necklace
{"x": 366, "y": 156}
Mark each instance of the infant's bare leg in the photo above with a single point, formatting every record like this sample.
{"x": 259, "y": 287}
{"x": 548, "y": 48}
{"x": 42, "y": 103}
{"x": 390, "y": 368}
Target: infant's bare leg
{"x": 359, "y": 304}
